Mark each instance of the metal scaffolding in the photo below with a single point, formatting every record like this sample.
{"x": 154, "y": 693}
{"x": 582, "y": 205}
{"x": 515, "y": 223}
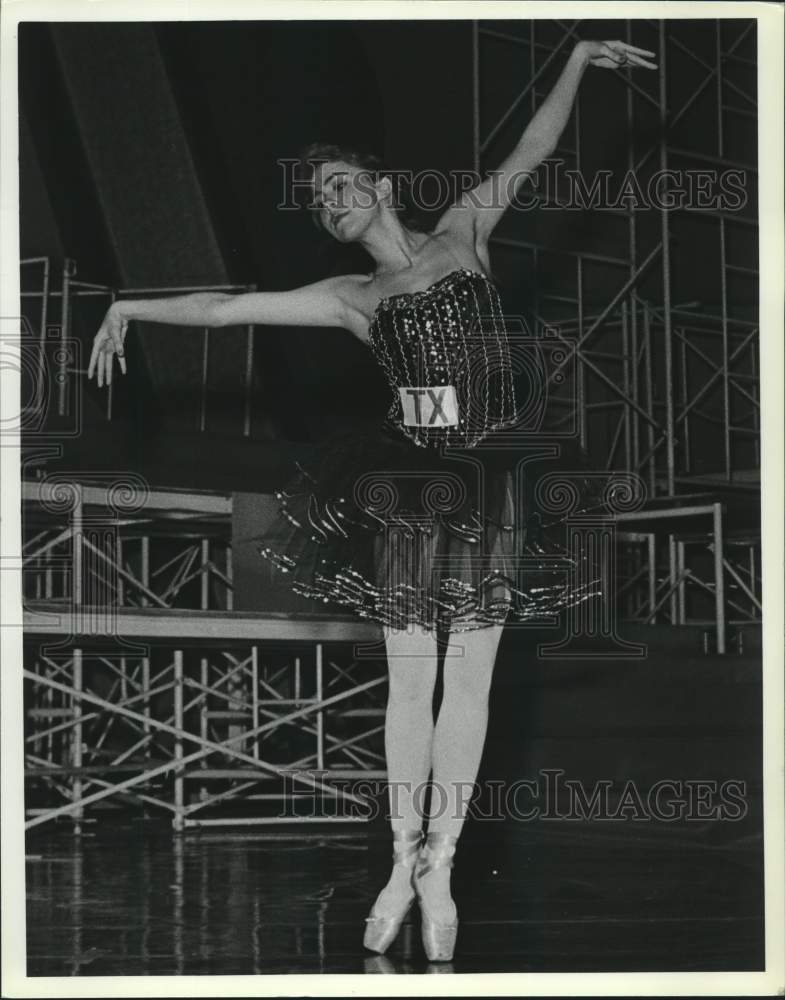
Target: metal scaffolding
{"x": 143, "y": 686}
{"x": 211, "y": 710}
{"x": 665, "y": 345}
{"x": 114, "y": 542}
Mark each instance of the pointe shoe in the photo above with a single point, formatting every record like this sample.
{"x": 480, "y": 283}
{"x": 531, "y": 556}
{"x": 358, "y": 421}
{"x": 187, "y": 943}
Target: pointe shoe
{"x": 382, "y": 929}
{"x": 438, "y": 938}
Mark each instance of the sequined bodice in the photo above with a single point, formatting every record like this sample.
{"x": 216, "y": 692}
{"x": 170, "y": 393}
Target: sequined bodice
{"x": 450, "y": 334}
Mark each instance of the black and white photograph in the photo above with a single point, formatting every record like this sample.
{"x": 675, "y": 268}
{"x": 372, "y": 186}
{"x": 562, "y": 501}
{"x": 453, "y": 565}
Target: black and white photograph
{"x": 392, "y": 444}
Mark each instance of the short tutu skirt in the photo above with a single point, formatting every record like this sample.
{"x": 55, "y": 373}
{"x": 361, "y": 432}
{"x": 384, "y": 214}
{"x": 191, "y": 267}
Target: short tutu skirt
{"x": 446, "y": 539}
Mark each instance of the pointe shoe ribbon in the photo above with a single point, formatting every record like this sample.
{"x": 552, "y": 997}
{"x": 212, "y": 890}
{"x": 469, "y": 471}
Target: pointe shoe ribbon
{"x": 381, "y": 930}
{"x": 438, "y": 938}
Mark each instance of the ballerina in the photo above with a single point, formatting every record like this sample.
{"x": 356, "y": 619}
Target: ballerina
{"x": 418, "y": 313}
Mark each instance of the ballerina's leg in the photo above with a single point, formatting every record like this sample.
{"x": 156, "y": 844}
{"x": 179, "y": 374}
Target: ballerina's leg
{"x": 408, "y": 738}
{"x": 459, "y": 739}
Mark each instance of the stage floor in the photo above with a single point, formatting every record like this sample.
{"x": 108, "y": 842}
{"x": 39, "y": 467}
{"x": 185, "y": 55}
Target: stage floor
{"x": 130, "y": 898}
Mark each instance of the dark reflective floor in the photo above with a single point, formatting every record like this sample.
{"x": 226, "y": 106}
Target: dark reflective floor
{"x": 131, "y": 898}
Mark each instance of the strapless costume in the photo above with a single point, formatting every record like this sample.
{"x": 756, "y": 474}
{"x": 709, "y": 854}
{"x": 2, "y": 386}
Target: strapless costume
{"x": 433, "y": 518}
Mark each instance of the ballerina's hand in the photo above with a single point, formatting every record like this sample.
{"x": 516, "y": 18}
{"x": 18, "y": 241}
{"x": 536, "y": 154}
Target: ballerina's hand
{"x": 613, "y": 55}
{"x": 107, "y": 342}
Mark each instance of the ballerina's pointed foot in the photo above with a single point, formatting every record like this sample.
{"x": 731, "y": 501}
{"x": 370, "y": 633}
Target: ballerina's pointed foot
{"x": 395, "y": 900}
{"x": 439, "y": 916}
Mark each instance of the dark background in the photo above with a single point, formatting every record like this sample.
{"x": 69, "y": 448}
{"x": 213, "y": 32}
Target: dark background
{"x": 166, "y": 174}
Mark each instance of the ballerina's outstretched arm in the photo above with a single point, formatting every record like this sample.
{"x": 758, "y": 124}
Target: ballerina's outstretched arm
{"x": 479, "y": 210}
{"x": 319, "y": 304}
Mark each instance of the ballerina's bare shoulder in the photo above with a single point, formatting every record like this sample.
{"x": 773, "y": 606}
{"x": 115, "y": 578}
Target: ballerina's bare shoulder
{"x": 364, "y": 294}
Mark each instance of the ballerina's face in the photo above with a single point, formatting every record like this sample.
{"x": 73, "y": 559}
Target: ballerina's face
{"x": 346, "y": 199}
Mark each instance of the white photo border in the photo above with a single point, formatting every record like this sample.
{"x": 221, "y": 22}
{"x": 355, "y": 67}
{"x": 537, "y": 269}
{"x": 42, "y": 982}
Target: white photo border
{"x": 15, "y": 982}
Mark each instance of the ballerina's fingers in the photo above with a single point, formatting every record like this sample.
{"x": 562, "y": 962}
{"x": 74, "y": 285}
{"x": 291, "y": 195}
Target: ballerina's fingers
{"x": 635, "y": 60}
{"x": 105, "y": 363}
{"x": 610, "y": 55}
{"x": 118, "y": 338}
{"x": 121, "y": 351}
{"x": 633, "y": 48}
{"x": 631, "y": 55}
{"x": 103, "y": 359}
{"x": 111, "y": 354}
{"x": 95, "y": 354}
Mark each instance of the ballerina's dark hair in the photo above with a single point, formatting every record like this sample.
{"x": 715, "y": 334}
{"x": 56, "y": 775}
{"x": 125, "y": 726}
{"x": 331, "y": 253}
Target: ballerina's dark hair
{"x": 363, "y": 159}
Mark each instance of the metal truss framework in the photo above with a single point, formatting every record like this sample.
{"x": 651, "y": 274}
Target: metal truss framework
{"x": 651, "y": 370}
{"x": 181, "y": 713}
{"x": 112, "y": 542}
{"x": 105, "y": 563}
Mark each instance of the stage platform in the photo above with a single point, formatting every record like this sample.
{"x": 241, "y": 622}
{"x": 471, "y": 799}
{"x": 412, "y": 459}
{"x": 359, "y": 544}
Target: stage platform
{"x": 52, "y": 618}
{"x": 532, "y": 896}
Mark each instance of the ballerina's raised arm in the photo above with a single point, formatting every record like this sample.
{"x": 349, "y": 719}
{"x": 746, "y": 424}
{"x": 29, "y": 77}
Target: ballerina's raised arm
{"x": 480, "y": 209}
